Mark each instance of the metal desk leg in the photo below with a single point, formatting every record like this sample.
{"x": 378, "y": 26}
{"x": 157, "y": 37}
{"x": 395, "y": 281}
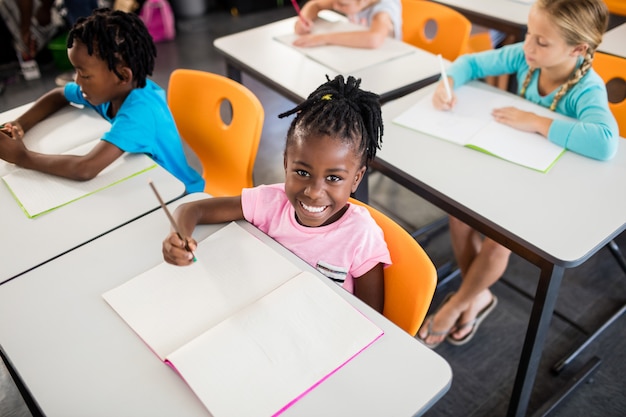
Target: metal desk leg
{"x": 233, "y": 73}
{"x": 543, "y": 307}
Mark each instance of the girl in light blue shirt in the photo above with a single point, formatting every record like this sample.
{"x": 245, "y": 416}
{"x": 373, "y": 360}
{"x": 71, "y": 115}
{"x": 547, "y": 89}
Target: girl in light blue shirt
{"x": 553, "y": 69}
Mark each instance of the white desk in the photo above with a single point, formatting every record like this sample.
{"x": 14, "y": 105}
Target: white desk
{"x": 614, "y": 41}
{"x": 78, "y": 358}
{"x": 555, "y": 220}
{"x": 27, "y": 243}
{"x": 294, "y": 75}
{"x": 509, "y": 16}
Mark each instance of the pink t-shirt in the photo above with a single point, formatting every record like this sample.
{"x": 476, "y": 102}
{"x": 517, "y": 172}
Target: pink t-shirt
{"x": 345, "y": 249}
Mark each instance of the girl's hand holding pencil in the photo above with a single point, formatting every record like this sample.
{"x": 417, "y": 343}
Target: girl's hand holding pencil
{"x": 179, "y": 251}
{"x": 444, "y": 98}
{"x": 303, "y": 24}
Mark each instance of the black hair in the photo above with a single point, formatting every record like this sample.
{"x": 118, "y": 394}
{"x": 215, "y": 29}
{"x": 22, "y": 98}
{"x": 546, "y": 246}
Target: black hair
{"x": 120, "y": 38}
{"x": 342, "y": 110}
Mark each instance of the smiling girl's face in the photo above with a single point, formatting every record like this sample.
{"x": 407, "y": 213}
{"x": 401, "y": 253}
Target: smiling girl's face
{"x": 320, "y": 174}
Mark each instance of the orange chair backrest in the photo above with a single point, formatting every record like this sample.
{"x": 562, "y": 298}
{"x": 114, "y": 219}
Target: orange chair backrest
{"x": 410, "y": 281}
{"x": 449, "y": 36}
{"x": 616, "y": 6}
{"x": 226, "y": 149}
{"x": 612, "y": 69}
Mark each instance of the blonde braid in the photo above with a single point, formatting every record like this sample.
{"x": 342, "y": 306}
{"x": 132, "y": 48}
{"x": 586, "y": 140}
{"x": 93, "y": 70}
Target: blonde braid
{"x": 575, "y": 77}
{"x": 529, "y": 76}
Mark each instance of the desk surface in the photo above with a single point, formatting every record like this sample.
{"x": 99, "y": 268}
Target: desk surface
{"x": 555, "y": 220}
{"x": 78, "y": 358}
{"x": 614, "y": 41}
{"x": 34, "y": 241}
{"x": 510, "y": 16}
{"x": 291, "y": 73}
{"x": 578, "y": 196}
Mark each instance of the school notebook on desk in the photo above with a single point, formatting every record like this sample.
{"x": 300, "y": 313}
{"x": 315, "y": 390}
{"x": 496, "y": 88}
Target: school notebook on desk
{"x": 38, "y": 193}
{"x": 245, "y": 328}
{"x": 471, "y": 124}
{"x": 343, "y": 59}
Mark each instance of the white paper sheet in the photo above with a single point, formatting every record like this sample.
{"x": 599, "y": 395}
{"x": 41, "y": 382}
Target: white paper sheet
{"x": 470, "y": 124}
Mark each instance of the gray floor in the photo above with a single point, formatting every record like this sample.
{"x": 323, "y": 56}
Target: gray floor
{"x": 484, "y": 369}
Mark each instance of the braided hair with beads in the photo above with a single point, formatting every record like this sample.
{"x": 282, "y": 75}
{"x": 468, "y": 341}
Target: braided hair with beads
{"x": 340, "y": 109}
{"x": 118, "y": 38}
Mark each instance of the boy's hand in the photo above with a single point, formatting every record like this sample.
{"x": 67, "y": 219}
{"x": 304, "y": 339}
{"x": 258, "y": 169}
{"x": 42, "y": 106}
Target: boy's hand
{"x": 10, "y": 148}
{"x": 12, "y": 129}
{"x": 175, "y": 252}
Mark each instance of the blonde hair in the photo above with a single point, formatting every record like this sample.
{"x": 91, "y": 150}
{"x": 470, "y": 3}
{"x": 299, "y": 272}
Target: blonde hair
{"x": 579, "y": 22}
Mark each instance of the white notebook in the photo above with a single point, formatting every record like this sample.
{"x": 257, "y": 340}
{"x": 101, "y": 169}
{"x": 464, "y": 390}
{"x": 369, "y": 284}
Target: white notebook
{"x": 343, "y": 59}
{"x": 471, "y": 124}
{"x": 38, "y": 193}
{"x": 246, "y": 329}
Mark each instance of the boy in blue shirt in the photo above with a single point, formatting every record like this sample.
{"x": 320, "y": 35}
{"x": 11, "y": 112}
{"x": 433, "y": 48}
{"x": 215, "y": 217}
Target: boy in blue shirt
{"x": 113, "y": 54}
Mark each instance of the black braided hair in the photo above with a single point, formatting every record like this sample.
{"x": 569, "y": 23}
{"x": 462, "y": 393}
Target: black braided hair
{"x": 342, "y": 110}
{"x": 120, "y": 38}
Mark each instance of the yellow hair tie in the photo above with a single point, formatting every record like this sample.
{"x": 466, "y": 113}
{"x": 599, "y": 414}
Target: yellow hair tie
{"x": 327, "y": 97}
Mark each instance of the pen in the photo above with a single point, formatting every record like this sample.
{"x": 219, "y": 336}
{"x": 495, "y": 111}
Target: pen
{"x": 171, "y": 219}
{"x": 444, "y": 77}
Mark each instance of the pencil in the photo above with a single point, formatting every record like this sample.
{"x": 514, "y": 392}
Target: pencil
{"x": 297, "y": 8}
{"x": 444, "y": 77}
{"x": 171, "y": 219}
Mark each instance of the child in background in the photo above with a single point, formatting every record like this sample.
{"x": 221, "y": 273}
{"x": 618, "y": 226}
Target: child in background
{"x": 553, "y": 69}
{"x": 382, "y": 17}
{"x": 336, "y": 131}
{"x": 113, "y": 54}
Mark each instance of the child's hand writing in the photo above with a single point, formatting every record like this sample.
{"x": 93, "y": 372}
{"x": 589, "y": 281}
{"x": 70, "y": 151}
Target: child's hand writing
{"x": 441, "y": 101}
{"x": 10, "y": 149}
{"x": 308, "y": 41}
{"x": 175, "y": 250}
{"x": 12, "y": 129}
{"x": 522, "y": 120}
{"x": 303, "y": 25}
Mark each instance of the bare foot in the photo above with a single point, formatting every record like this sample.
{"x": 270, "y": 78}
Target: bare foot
{"x": 437, "y": 326}
{"x": 480, "y": 302}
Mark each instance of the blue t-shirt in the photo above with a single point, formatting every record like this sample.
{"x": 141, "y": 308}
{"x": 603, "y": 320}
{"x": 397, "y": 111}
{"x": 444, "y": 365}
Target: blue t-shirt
{"x": 594, "y": 133}
{"x": 144, "y": 124}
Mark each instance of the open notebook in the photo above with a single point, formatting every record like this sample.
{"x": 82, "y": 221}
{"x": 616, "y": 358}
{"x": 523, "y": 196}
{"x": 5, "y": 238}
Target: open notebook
{"x": 38, "y": 193}
{"x": 343, "y": 59}
{"x": 470, "y": 124}
{"x": 246, "y": 329}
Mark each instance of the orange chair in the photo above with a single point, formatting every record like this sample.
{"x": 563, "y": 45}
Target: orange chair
{"x": 451, "y": 35}
{"x": 226, "y": 149}
{"x": 612, "y": 69}
{"x": 411, "y": 279}
{"x": 616, "y": 6}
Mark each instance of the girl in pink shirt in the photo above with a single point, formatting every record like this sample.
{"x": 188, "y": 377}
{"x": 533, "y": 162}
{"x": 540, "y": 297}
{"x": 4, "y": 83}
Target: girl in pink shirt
{"x": 334, "y": 135}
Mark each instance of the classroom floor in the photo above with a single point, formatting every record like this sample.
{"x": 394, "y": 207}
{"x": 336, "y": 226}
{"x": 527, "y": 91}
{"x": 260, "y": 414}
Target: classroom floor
{"x": 484, "y": 369}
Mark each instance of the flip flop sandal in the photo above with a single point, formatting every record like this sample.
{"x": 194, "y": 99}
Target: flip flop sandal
{"x": 482, "y": 315}
{"x": 431, "y": 332}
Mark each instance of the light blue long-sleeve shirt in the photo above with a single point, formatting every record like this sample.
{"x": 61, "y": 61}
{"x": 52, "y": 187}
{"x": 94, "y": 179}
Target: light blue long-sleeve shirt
{"x": 594, "y": 133}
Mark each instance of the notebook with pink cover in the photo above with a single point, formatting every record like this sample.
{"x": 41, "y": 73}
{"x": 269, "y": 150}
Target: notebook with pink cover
{"x": 246, "y": 329}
